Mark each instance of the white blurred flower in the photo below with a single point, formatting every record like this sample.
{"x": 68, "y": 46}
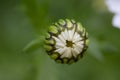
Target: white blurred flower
{"x": 114, "y": 7}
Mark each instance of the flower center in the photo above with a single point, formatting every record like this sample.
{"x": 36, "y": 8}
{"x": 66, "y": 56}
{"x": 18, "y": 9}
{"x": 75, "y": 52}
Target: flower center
{"x": 69, "y": 43}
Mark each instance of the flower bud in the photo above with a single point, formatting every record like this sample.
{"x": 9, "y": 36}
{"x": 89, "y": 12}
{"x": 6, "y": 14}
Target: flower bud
{"x": 66, "y": 41}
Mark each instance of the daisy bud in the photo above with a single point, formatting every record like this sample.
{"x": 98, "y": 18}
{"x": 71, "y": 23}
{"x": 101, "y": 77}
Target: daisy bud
{"x": 66, "y": 41}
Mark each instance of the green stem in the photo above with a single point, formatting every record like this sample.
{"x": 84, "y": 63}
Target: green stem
{"x": 36, "y": 13}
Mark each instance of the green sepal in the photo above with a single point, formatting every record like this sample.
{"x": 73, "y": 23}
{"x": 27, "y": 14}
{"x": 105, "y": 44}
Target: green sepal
{"x": 47, "y": 35}
{"x": 56, "y": 24}
{"x": 62, "y": 22}
{"x": 86, "y": 34}
{"x": 73, "y": 21}
{"x": 71, "y": 61}
{"x": 54, "y": 56}
{"x": 48, "y": 47}
{"x": 79, "y": 27}
{"x": 51, "y": 41}
{"x": 58, "y": 61}
{"x": 87, "y": 42}
{"x": 65, "y": 60}
{"x": 53, "y": 29}
{"x": 69, "y": 24}
{"x": 59, "y": 27}
{"x": 79, "y": 57}
{"x": 83, "y": 32}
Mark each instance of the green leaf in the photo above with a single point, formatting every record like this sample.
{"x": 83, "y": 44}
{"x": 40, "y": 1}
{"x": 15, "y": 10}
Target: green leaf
{"x": 37, "y": 13}
{"x": 34, "y": 45}
{"x": 94, "y": 49}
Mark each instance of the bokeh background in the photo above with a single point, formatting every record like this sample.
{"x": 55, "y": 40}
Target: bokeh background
{"x": 23, "y": 24}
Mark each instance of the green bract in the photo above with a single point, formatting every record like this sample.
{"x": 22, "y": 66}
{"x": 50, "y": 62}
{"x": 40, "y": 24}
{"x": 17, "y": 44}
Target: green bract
{"x": 66, "y": 41}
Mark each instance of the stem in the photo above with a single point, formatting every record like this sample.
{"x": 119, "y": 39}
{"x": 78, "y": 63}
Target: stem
{"x": 36, "y": 13}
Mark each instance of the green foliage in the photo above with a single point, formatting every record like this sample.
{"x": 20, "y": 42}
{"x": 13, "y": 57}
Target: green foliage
{"x": 34, "y": 45}
{"x": 24, "y": 21}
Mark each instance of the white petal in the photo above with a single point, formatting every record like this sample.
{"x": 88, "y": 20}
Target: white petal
{"x": 57, "y": 40}
{"x": 71, "y": 33}
{"x": 68, "y": 37}
{"x": 116, "y": 21}
{"x": 60, "y": 50}
{"x": 62, "y": 39}
{"x": 66, "y": 34}
{"x": 76, "y": 37}
{"x": 80, "y": 42}
{"x": 74, "y": 52}
{"x": 79, "y": 45}
{"x": 59, "y": 45}
{"x": 113, "y": 5}
{"x": 75, "y": 48}
{"x": 78, "y": 48}
{"x": 77, "y": 40}
{"x": 67, "y": 53}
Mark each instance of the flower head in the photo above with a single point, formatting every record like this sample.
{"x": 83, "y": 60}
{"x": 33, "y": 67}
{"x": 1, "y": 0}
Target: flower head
{"x": 66, "y": 41}
{"x": 114, "y": 7}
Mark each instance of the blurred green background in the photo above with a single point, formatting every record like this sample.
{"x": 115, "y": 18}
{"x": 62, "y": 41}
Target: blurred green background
{"x": 25, "y": 22}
